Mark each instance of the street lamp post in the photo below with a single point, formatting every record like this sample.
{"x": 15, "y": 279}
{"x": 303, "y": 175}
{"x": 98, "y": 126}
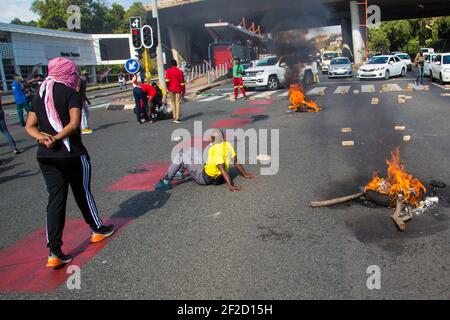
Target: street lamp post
{"x": 159, "y": 57}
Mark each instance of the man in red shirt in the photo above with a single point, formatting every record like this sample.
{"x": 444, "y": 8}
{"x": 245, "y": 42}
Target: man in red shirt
{"x": 150, "y": 91}
{"x": 176, "y": 87}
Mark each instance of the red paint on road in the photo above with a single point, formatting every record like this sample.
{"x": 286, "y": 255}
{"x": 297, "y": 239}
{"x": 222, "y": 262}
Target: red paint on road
{"x": 22, "y": 265}
{"x": 260, "y": 101}
{"x": 254, "y": 110}
{"x": 231, "y": 123}
{"x": 143, "y": 180}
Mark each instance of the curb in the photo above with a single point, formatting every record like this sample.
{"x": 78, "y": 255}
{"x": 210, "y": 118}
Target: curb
{"x": 120, "y": 107}
{"x": 208, "y": 88}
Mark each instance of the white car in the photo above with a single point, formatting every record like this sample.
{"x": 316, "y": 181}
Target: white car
{"x": 406, "y": 58}
{"x": 326, "y": 60}
{"x": 429, "y": 58}
{"x": 440, "y": 68}
{"x": 340, "y": 67}
{"x": 384, "y": 66}
{"x": 270, "y": 72}
{"x": 427, "y": 50}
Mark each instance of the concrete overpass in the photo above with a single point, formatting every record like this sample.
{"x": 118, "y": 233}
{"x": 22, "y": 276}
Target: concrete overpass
{"x": 183, "y": 24}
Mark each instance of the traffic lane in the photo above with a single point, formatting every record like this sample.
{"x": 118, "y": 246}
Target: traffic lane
{"x": 192, "y": 255}
{"x": 271, "y": 245}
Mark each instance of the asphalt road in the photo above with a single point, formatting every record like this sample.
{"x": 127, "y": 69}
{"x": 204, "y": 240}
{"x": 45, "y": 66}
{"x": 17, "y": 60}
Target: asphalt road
{"x": 266, "y": 242}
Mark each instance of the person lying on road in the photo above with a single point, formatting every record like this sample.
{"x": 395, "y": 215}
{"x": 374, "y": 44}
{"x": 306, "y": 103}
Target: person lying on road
{"x": 216, "y": 170}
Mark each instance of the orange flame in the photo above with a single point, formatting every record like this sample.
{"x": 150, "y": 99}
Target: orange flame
{"x": 398, "y": 182}
{"x": 298, "y": 100}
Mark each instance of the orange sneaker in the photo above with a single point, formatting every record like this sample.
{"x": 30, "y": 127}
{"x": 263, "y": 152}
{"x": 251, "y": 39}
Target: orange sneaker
{"x": 102, "y": 233}
{"x": 58, "y": 259}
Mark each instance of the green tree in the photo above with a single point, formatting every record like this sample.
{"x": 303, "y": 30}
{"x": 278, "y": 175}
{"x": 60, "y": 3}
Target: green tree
{"x": 19, "y": 22}
{"x": 398, "y": 32}
{"x": 137, "y": 9}
{"x": 378, "y": 40}
{"x": 115, "y": 19}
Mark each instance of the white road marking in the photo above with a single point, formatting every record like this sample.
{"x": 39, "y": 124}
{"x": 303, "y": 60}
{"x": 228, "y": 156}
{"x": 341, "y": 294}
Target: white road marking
{"x": 100, "y": 106}
{"x": 284, "y": 94}
{"x": 266, "y": 94}
{"x": 212, "y": 98}
{"x": 440, "y": 86}
{"x": 391, "y": 87}
{"x": 367, "y": 88}
{"x": 316, "y": 91}
{"x": 342, "y": 89}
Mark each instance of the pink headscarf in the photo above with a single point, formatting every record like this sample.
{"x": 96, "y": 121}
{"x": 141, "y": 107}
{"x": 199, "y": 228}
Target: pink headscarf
{"x": 61, "y": 70}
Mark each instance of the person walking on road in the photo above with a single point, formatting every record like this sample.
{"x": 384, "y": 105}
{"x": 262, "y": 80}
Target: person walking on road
{"x": 238, "y": 72}
{"x": 420, "y": 63}
{"x": 315, "y": 72}
{"x": 81, "y": 88}
{"x": 176, "y": 87}
{"x": 4, "y": 129}
{"x": 20, "y": 98}
{"x": 122, "y": 81}
{"x": 54, "y": 122}
{"x": 216, "y": 170}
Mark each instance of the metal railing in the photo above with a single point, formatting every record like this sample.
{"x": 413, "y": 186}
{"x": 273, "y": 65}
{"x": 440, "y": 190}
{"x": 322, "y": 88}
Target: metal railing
{"x": 217, "y": 72}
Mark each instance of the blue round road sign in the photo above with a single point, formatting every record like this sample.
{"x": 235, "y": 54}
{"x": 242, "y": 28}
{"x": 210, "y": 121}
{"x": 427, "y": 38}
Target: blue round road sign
{"x": 132, "y": 66}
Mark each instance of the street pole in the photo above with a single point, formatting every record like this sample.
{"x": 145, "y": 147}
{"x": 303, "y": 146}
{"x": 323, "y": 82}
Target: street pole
{"x": 147, "y": 66}
{"x": 159, "y": 53}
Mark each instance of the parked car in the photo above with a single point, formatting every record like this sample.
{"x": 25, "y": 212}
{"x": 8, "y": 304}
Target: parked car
{"x": 326, "y": 59}
{"x": 271, "y": 72}
{"x": 440, "y": 67}
{"x": 340, "y": 67}
{"x": 406, "y": 58}
{"x": 382, "y": 67}
{"x": 427, "y": 50}
{"x": 429, "y": 58}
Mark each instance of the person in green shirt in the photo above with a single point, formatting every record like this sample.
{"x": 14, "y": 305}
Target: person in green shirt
{"x": 238, "y": 72}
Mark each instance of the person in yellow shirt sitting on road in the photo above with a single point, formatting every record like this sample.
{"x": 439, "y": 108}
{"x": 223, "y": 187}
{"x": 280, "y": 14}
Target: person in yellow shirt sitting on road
{"x": 216, "y": 171}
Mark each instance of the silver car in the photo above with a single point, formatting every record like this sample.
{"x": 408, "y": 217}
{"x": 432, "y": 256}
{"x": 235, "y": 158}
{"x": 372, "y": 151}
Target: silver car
{"x": 340, "y": 67}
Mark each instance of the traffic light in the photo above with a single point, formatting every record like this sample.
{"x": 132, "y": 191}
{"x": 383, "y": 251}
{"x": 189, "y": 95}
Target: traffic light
{"x": 147, "y": 37}
{"x": 153, "y": 23}
{"x": 136, "y": 38}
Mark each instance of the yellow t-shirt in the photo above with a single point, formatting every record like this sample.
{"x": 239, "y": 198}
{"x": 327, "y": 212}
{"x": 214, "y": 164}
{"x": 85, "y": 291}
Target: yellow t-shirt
{"x": 221, "y": 153}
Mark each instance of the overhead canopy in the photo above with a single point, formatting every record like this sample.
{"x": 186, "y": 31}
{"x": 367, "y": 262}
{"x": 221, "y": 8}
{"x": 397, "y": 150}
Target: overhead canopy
{"x": 224, "y": 31}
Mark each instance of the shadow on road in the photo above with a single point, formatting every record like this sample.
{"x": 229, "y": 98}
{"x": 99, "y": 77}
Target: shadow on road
{"x": 108, "y": 125}
{"x": 193, "y": 116}
{"x": 141, "y": 204}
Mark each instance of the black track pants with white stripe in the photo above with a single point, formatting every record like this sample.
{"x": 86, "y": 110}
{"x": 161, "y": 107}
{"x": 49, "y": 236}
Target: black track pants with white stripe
{"x": 59, "y": 174}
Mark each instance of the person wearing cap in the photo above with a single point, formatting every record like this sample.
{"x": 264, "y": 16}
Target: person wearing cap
{"x": 20, "y": 98}
{"x": 81, "y": 88}
{"x": 176, "y": 87}
{"x": 221, "y": 155}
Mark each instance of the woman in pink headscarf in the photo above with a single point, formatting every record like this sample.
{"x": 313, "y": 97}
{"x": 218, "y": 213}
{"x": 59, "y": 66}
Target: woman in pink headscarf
{"x": 54, "y": 121}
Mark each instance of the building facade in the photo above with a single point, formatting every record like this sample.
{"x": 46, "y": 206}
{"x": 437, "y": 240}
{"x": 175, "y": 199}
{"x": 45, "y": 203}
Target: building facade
{"x": 22, "y": 48}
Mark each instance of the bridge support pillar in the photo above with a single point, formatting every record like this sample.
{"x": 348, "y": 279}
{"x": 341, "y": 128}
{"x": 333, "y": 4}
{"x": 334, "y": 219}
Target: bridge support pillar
{"x": 180, "y": 40}
{"x": 347, "y": 43}
{"x": 359, "y": 47}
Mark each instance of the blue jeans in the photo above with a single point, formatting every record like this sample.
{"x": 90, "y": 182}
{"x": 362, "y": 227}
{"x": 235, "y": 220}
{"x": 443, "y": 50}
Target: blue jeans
{"x": 140, "y": 98}
{"x": 4, "y": 130}
{"x": 419, "y": 75}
